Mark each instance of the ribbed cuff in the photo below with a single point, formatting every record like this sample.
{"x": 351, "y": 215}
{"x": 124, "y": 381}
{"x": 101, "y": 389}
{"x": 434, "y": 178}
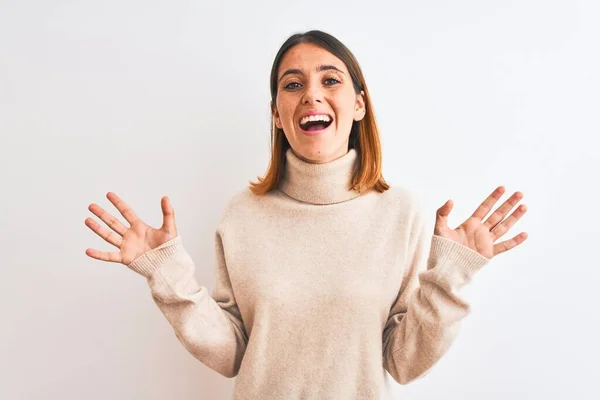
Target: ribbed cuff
{"x": 448, "y": 251}
{"x": 147, "y": 263}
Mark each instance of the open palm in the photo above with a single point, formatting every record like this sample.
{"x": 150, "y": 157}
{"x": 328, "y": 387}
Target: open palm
{"x": 131, "y": 241}
{"x": 480, "y": 235}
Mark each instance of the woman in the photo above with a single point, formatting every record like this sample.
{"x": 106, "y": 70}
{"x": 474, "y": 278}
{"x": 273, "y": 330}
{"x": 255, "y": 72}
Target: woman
{"x": 323, "y": 281}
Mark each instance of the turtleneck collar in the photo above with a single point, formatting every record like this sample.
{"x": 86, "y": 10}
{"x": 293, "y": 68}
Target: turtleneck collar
{"x": 326, "y": 183}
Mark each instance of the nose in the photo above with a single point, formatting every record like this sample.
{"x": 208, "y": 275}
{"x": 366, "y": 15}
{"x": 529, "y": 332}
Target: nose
{"x": 312, "y": 94}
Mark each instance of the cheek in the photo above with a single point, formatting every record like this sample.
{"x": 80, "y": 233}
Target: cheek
{"x": 345, "y": 112}
{"x": 345, "y": 105}
{"x": 286, "y": 110}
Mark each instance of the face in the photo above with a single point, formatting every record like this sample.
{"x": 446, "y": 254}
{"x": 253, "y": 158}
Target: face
{"x": 316, "y": 103}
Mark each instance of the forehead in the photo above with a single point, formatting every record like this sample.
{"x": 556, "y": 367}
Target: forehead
{"x": 307, "y": 57}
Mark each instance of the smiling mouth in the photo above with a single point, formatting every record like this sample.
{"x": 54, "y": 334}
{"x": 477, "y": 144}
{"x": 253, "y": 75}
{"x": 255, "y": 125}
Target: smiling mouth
{"x": 315, "y": 125}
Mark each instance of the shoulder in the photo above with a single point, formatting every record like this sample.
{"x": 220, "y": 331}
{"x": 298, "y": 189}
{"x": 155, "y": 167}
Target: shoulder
{"x": 402, "y": 198}
{"x": 403, "y": 209}
{"x": 241, "y": 202}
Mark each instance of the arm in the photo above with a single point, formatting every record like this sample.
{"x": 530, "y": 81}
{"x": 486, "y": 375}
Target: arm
{"x": 426, "y": 316}
{"x": 210, "y": 328}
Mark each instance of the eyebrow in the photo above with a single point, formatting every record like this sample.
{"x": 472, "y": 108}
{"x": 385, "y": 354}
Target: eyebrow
{"x": 318, "y": 69}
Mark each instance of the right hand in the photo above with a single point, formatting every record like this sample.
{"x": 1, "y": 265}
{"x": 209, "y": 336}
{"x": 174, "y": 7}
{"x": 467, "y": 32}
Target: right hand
{"x": 135, "y": 240}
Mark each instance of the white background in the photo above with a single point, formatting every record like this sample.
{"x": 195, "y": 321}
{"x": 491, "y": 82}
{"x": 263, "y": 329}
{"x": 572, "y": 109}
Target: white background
{"x": 148, "y": 98}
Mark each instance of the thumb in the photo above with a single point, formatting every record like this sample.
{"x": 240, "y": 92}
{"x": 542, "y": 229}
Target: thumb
{"x": 441, "y": 216}
{"x": 168, "y": 215}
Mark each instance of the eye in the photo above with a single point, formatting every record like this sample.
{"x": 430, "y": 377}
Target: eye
{"x": 291, "y": 83}
{"x": 296, "y": 85}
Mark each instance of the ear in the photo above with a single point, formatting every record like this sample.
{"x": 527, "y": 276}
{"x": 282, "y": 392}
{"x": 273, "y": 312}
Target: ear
{"x": 360, "y": 109}
{"x": 276, "y": 118}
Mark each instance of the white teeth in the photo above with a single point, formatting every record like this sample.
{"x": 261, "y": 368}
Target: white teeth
{"x": 322, "y": 117}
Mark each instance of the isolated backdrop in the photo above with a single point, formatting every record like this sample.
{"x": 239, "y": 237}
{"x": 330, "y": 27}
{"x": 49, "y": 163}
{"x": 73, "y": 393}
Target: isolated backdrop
{"x": 153, "y": 98}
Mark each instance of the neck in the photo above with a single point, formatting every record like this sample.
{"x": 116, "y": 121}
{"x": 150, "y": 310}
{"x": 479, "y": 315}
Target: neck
{"x": 325, "y": 183}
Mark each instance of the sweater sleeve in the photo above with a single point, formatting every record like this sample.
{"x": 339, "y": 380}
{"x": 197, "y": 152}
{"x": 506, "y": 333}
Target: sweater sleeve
{"x": 426, "y": 316}
{"x": 210, "y": 327}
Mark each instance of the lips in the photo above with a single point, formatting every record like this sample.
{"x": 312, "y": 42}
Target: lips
{"x": 314, "y": 126}
{"x": 314, "y": 112}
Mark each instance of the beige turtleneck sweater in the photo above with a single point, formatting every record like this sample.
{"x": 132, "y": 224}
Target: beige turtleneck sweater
{"x": 318, "y": 290}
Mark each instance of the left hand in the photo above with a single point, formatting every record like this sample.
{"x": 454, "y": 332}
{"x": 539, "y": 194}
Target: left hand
{"x": 480, "y": 236}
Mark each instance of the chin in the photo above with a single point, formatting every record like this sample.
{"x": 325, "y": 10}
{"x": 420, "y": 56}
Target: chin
{"x": 317, "y": 154}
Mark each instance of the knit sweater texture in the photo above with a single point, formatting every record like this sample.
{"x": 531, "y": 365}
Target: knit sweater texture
{"x": 319, "y": 289}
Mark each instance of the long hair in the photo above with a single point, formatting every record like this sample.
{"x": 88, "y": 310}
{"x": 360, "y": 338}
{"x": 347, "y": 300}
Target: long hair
{"x": 364, "y": 134}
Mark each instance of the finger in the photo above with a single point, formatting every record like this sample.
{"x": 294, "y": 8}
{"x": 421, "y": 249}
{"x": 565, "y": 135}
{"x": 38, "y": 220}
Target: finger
{"x": 104, "y": 233}
{"x": 108, "y": 219}
{"x": 500, "y": 213}
{"x": 505, "y": 225}
{"x": 488, "y": 203}
{"x": 123, "y": 208}
{"x": 104, "y": 256}
{"x": 441, "y": 216}
{"x": 168, "y": 215}
{"x": 509, "y": 244}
